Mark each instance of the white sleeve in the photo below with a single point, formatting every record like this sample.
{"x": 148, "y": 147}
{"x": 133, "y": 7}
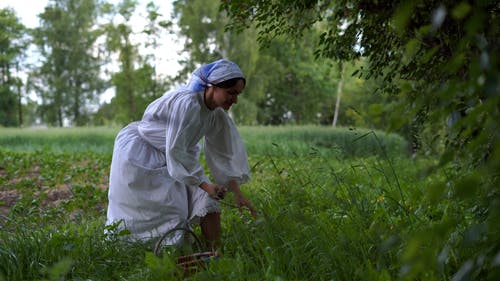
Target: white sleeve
{"x": 225, "y": 152}
{"x": 182, "y": 150}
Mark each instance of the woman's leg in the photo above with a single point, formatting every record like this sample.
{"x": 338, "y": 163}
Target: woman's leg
{"x": 211, "y": 230}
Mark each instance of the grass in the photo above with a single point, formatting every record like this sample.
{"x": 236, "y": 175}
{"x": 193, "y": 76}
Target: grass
{"x": 328, "y": 210}
{"x": 347, "y": 142}
{"x": 96, "y": 139}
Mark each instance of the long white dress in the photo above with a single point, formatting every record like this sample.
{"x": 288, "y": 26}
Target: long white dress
{"x": 155, "y": 170}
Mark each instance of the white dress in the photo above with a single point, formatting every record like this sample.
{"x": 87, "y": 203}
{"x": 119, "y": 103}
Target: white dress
{"x": 155, "y": 171}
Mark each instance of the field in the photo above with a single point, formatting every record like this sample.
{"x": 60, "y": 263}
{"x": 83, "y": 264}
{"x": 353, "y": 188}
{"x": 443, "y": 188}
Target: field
{"x": 344, "y": 204}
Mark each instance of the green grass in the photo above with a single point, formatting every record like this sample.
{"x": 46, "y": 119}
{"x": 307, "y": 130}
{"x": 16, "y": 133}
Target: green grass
{"x": 344, "y": 142}
{"x": 97, "y": 139}
{"x": 348, "y": 142}
{"x": 327, "y": 211}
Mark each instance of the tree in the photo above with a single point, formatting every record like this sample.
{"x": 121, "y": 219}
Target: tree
{"x": 339, "y": 95}
{"x": 119, "y": 39}
{"x": 136, "y": 84}
{"x": 280, "y": 79}
{"x": 296, "y": 87}
{"x": 12, "y": 45}
{"x": 439, "y": 59}
{"x": 68, "y": 79}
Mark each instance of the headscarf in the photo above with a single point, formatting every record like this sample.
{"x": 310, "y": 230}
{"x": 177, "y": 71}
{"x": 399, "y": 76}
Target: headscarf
{"x": 214, "y": 73}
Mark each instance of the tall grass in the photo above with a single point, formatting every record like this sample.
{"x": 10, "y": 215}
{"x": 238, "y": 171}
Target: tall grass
{"x": 348, "y": 142}
{"x": 324, "y": 213}
{"x": 71, "y": 250}
{"x": 98, "y": 139}
{"x": 344, "y": 142}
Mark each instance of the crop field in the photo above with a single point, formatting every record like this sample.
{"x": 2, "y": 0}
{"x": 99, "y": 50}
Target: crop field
{"x": 343, "y": 204}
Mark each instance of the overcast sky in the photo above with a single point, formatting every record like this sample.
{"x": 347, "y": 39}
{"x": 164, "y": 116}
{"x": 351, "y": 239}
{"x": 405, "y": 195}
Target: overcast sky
{"x": 167, "y": 54}
{"x": 27, "y": 10}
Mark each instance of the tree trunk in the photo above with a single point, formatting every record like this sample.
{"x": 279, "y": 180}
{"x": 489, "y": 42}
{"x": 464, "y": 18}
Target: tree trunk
{"x": 60, "y": 115}
{"x": 19, "y": 99}
{"x": 339, "y": 94}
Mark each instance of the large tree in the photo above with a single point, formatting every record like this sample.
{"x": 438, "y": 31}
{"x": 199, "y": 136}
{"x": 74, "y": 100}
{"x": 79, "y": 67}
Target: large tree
{"x": 294, "y": 87}
{"x": 280, "y": 78}
{"x": 136, "y": 82}
{"x": 68, "y": 79}
{"x": 440, "y": 60}
{"x": 12, "y": 45}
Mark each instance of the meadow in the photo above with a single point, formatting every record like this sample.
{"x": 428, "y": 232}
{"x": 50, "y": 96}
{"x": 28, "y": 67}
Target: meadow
{"x": 333, "y": 204}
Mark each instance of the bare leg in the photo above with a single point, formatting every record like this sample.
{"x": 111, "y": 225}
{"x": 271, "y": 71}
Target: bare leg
{"x": 211, "y": 229}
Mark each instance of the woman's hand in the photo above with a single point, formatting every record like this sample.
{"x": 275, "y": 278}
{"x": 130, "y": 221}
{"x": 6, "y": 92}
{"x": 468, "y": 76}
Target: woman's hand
{"x": 240, "y": 199}
{"x": 216, "y": 192}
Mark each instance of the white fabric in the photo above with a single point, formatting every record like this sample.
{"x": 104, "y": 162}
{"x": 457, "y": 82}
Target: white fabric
{"x": 155, "y": 170}
{"x": 214, "y": 73}
{"x": 224, "y": 150}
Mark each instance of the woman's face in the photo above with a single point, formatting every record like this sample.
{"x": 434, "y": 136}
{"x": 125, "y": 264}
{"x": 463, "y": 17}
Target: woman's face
{"x": 225, "y": 98}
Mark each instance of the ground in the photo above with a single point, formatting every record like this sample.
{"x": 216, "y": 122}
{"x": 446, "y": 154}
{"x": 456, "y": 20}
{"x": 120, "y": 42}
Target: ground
{"x": 12, "y": 190}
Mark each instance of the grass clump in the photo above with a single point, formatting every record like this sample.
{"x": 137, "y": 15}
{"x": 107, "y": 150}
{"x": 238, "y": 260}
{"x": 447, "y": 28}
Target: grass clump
{"x": 66, "y": 251}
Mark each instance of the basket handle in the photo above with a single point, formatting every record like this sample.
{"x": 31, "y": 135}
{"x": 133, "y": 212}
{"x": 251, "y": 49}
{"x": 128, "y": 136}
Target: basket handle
{"x": 158, "y": 243}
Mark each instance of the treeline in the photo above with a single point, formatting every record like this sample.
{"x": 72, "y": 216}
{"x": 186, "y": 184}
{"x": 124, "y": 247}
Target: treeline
{"x": 81, "y": 49}
{"x": 86, "y": 47}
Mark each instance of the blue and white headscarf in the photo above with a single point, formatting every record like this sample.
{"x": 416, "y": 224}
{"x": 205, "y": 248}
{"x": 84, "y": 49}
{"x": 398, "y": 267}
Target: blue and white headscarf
{"x": 214, "y": 73}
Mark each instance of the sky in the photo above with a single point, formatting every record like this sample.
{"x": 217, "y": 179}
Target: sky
{"x": 167, "y": 54}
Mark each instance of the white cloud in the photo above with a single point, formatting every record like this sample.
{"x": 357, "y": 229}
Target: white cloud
{"x": 27, "y": 10}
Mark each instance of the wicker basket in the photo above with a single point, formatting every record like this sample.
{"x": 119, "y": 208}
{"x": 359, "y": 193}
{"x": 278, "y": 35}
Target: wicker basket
{"x": 193, "y": 262}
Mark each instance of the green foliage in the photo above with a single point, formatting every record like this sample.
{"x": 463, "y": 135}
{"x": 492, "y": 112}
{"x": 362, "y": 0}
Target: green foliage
{"x": 302, "y": 208}
{"x": 340, "y": 142}
{"x": 80, "y": 139}
{"x": 439, "y": 60}
{"x": 68, "y": 79}
{"x": 12, "y": 45}
{"x": 295, "y": 88}
{"x": 244, "y": 112}
{"x": 323, "y": 214}
{"x": 285, "y": 83}
{"x": 66, "y": 251}
{"x": 136, "y": 82}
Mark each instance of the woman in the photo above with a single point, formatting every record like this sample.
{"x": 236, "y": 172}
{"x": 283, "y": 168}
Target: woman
{"x": 156, "y": 180}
